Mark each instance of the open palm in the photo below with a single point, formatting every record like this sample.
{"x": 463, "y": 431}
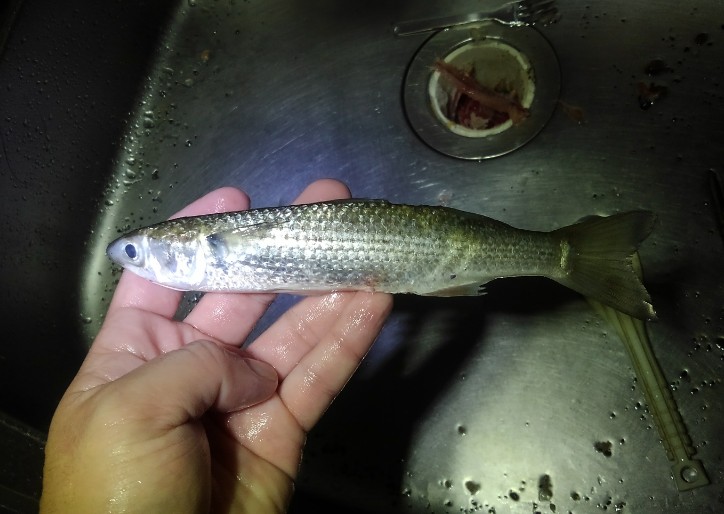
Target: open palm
{"x": 171, "y": 416}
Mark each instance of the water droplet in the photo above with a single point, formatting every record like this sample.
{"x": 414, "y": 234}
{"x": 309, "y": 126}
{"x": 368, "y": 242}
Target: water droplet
{"x": 472, "y": 486}
{"x": 603, "y": 447}
{"x": 656, "y": 67}
{"x": 701, "y": 38}
{"x": 545, "y": 488}
{"x": 444, "y": 197}
{"x": 650, "y": 93}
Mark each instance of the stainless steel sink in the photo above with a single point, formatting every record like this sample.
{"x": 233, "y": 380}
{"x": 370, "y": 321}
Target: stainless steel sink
{"x": 116, "y": 115}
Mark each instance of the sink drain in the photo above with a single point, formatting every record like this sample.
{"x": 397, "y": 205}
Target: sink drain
{"x": 481, "y": 90}
{"x": 500, "y": 72}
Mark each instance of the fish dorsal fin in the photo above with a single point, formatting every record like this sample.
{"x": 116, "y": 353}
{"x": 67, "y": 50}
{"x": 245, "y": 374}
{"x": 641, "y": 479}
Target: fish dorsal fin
{"x": 358, "y": 200}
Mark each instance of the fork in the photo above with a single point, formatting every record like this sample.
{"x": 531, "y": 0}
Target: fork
{"x": 517, "y": 13}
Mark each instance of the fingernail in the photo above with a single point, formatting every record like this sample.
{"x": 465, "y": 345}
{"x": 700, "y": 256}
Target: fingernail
{"x": 262, "y": 369}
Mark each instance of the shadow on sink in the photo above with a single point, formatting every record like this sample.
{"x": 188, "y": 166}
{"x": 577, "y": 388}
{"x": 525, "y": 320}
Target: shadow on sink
{"x": 70, "y": 77}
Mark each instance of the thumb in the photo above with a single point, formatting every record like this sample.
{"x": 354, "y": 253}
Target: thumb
{"x": 184, "y": 383}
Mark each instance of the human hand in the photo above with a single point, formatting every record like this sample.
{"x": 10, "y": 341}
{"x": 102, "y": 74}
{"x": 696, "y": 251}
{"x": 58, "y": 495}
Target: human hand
{"x": 171, "y": 416}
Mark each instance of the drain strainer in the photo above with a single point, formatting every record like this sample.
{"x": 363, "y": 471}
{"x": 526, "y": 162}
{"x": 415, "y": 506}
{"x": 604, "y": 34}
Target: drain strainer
{"x": 481, "y": 90}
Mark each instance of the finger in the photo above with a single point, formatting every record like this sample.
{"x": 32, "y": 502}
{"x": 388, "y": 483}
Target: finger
{"x": 229, "y": 317}
{"x": 317, "y": 348}
{"x": 134, "y": 291}
{"x": 183, "y": 384}
{"x": 322, "y": 190}
{"x": 298, "y": 330}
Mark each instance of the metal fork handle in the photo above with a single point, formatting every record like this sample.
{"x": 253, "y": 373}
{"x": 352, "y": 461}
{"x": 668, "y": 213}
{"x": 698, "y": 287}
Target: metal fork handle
{"x": 505, "y": 14}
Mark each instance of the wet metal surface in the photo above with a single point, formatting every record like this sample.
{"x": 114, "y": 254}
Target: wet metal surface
{"x": 521, "y": 401}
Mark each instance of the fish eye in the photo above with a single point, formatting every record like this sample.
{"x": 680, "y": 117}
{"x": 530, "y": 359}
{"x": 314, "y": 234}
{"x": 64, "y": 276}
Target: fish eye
{"x": 131, "y": 251}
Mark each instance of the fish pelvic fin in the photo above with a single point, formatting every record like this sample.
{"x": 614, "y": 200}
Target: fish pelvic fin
{"x": 597, "y": 260}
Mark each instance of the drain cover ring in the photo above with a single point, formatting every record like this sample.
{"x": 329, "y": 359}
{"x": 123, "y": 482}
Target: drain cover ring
{"x": 522, "y": 45}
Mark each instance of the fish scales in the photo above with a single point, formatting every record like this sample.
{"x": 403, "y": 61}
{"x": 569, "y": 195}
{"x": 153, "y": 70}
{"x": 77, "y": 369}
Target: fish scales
{"x": 375, "y": 245}
{"x": 366, "y": 245}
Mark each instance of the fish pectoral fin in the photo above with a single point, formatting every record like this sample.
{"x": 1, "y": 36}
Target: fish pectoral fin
{"x": 239, "y": 235}
{"x": 474, "y": 289}
{"x": 221, "y": 243}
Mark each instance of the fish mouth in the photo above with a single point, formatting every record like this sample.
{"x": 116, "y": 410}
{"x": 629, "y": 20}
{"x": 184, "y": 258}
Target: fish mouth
{"x": 114, "y": 251}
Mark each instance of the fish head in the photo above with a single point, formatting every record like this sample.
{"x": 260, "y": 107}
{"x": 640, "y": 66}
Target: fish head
{"x": 169, "y": 261}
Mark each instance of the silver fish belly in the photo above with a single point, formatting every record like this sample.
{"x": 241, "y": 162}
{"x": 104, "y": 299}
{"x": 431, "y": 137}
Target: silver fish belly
{"x": 378, "y": 246}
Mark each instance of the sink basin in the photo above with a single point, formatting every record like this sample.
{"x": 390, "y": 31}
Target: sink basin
{"x": 115, "y": 115}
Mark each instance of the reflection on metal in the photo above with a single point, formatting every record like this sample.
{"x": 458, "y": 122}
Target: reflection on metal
{"x": 688, "y": 473}
{"x": 529, "y": 61}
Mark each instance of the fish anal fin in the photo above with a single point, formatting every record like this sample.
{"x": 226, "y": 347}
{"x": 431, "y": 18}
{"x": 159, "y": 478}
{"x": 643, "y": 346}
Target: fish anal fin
{"x": 473, "y": 289}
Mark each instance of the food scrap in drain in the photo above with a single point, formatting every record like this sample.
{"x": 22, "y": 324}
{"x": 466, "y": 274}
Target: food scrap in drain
{"x": 650, "y": 93}
{"x": 478, "y": 107}
{"x": 573, "y": 112}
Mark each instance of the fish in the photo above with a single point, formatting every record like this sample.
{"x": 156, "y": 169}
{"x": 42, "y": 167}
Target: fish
{"x": 375, "y": 245}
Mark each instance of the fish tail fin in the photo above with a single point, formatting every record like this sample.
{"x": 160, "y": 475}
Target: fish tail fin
{"x": 597, "y": 260}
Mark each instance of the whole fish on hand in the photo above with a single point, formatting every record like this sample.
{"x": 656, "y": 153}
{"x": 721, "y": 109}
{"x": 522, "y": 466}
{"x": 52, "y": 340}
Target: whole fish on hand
{"x": 374, "y": 245}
